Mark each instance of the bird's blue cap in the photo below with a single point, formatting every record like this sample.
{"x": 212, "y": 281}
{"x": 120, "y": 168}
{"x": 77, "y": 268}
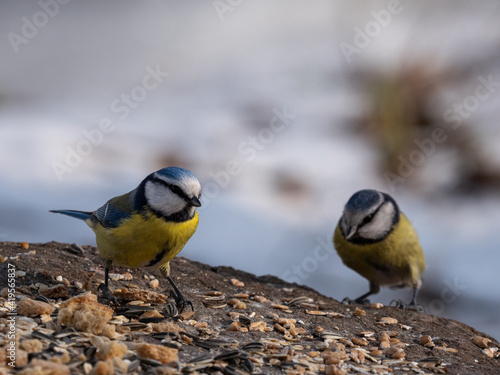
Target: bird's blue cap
{"x": 362, "y": 200}
{"x": 175, "y": 173}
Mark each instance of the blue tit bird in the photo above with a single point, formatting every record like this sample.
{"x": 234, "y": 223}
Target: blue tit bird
{"x": 148, "y": 226}
{"x": 375, "y": 239}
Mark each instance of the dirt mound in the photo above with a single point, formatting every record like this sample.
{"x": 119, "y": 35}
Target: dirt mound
{"x": 242, "y": 324}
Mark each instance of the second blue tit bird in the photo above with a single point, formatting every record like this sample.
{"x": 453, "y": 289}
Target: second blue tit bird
{"x": 375, "y": 239}
{"x": 148, "y": 226}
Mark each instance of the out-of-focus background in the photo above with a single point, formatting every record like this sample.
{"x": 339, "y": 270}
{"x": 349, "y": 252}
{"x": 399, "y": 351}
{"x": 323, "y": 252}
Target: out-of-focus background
{"x": 282, "y": 109}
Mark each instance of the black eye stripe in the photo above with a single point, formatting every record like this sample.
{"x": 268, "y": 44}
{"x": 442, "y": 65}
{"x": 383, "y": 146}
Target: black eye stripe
{"x": 173, "y": 188}
{"x": 367, "y": 219}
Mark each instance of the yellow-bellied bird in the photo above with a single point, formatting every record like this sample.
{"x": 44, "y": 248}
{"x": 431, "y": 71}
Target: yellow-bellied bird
{"x": 148, "y": 226}
{"x": 375, "y": 239}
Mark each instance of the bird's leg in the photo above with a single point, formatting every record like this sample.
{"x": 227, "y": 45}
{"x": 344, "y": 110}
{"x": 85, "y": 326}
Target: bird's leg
{"x": 374, "y": 289}
{"x": 409, "y": 306}
{"x": 104, "y": 288}
{"x": 180, "y": 301}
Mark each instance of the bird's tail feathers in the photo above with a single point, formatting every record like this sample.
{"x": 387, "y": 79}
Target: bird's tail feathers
{"x": 82, "y": 215}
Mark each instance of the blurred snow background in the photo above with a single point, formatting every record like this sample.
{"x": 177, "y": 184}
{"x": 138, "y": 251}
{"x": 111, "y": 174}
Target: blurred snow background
{"x": 275, "y": 184}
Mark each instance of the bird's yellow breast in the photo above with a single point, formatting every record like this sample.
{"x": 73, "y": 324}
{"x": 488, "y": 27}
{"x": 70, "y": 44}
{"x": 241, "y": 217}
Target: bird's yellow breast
{"x": 396, "y": 260}
{"x": 142, "y": 239}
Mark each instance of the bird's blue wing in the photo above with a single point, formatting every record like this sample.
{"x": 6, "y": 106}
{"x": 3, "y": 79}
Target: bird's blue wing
{"x": 109, "y": 216}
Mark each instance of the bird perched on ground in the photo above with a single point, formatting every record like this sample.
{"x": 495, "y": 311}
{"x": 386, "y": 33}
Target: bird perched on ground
{"x": 148, "y": 226}
{"x": 375, "y": 239}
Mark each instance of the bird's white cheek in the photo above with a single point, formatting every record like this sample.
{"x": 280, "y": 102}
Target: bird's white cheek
{"x": 377, "y": 228}
{"x": 163, "y": 200}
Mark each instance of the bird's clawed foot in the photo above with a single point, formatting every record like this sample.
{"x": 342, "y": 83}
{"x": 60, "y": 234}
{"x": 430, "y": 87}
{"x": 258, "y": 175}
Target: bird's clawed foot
{"x": 406, "y": 306}
{"x": 359, "y": 301}
{"x": 180, "y": 301}
{"x": 106, "y": 293}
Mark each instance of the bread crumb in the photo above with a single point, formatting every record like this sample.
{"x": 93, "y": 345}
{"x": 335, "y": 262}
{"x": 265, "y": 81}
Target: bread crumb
{"x": 31, "y": 308}
{"x": 103, "y": 368}
{"x": 110, "y": 350}
{"x": 159, "y": 353}
{"x": 166, "y": 327}
{"x": 32, "y": 345}
{"x": 42, "y": 367}
{"x": 84, "y": 313}
{"x": 128, "y": 294}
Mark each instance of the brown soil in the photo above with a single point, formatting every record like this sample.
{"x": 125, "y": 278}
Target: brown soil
{"x": 300, "y": 347}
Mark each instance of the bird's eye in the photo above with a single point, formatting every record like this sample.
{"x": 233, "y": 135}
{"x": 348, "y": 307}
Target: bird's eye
{"x": 367, "y": 219}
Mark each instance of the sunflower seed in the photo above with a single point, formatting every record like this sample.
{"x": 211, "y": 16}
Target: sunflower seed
{"x": 245, "y": 320}
{"x": 64, "y": 333}
{"x": 330, "y": 335}
{"x": 42, "y": 336}
{"x": 134, "y": 325}
{"x": 205, "y": 358}
{"x": 254, "y": 346}
{"x": 287, "y": 364}
{"x": 210, "y": 343}
{"x": 247, "y": 365}
{"x": 436, "y": 360}
{"x": 229, "y": 370}
{"x": 228, "y": 355}
{"x": 170, "y": 309}
{"x": 162, "y": 335}
{"x": 90, "y": 352}
{"x": 150, "y": 362}
{"x": 299, "y": 300}
{"x": 155, "y": 319}
{"x": 42, "y": 298}
{"x": 199, "y": 366}
{"x": 134, "y": 366}
{"x": 74, "y": 249}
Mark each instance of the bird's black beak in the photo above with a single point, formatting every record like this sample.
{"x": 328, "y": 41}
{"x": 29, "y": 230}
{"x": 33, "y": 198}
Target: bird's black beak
{"x": 195, "y": 202}
{"x": 351, "y": 233}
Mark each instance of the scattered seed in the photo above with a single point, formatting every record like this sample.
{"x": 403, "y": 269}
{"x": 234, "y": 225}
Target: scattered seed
{"x": 426, "y": 341}
{"x": 20, "y": 273}
{"x": 480, "y": 341}
{"x": 244, "y": 320}
{"x": 279, "y": 307}
{"x": 186, "y": 314}
{"x": 234, "y": 326}
{"x": 386, "y": 320}
{"x": 434, "y": 361}
{"x": 42, "y": 336}
{"x": 213, "y": 293}
{"x": 490, "y": 352}
{"x": 228, "y": 355}
{"x": 154, "y": 283}
{"x": 395, "y": 353}
{"x": 329, "y": 335}
{"x": 376, "y": 305}
{"x": 116, "y": 276}
{"x": 299, "y": 301}
{"x": 446, "y": 349}
{"x": 360, "y": 342}
{"x": 237, "y": 283}
{"x": 359, "y": 312}
{"x": 254, "y": 346}
{"x": 331, "y": 314}
{"x": 367, "y": 333}
{"x": 74, "y": 249}
{"x": 260, "y": 299}
{"x": 260, "y": 326}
